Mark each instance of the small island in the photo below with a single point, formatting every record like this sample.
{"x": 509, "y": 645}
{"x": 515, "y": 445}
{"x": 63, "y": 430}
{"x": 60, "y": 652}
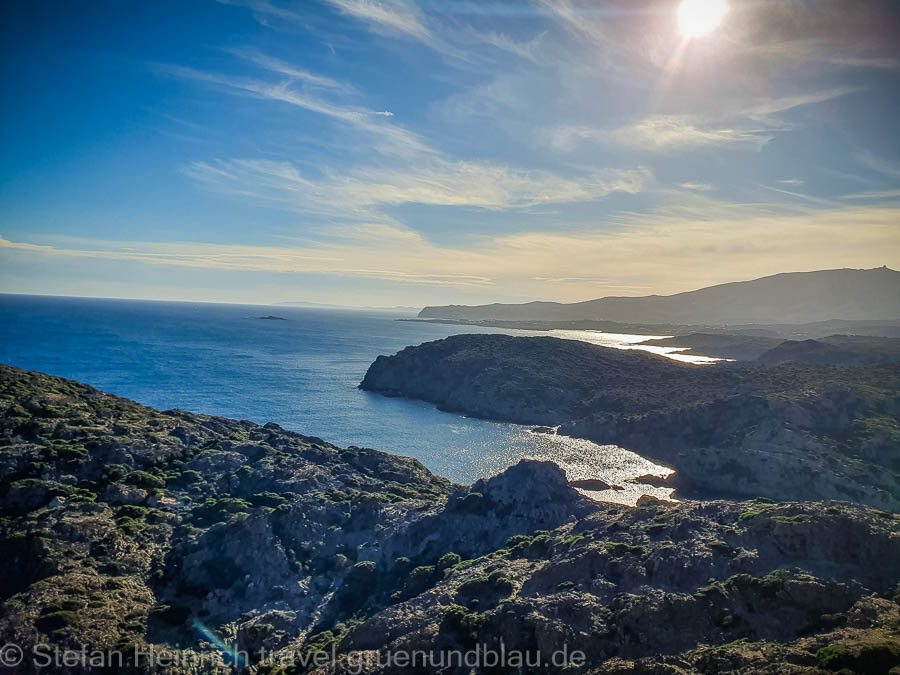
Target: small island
{"x": 271, "y": 317}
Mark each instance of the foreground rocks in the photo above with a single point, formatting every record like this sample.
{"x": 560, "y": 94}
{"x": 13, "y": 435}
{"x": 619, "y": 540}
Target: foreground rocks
{"x": 123, "y": 527}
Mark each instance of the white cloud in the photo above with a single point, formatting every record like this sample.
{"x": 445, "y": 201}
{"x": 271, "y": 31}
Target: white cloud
{"x": 666, "y": 133}
{"x": 397, "y": 17}
{"x": 697, "y": 187}
{"x": 740, "y": 125}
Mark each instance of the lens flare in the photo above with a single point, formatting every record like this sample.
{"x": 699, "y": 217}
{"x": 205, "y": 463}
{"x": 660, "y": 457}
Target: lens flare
{"x": 697, "y": 18}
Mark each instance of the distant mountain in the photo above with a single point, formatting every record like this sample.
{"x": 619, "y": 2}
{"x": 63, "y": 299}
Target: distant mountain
{"x": 795, "y": 297}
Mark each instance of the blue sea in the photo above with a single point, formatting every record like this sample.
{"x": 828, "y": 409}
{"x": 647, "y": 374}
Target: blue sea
{"x": 302, "y": 373}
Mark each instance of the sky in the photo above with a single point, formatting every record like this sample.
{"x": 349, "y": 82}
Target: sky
{"x": 414, "y": 152}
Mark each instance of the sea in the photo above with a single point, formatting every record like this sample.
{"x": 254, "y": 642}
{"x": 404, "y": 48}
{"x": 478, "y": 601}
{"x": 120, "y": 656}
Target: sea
{"x": 301, "y": 372}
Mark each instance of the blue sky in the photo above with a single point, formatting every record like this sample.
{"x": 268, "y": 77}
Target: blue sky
{"x": 371, "y": 152}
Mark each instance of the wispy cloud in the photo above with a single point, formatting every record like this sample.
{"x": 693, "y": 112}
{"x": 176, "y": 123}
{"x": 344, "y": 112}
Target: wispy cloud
{"x": 873, "y": 195}
{"x": 283, "y": 68}
{"x": 264, "y": 10}
{"x": 359, "y": 193}
{"x": 697, "y": 187}
{"x": 669, "y": 250}
{"x": 664, "y": 133}
{"x": 525, "y": 50}
{"x": 878, "y": 164}
{"x": 747, "y": 125}
{"x": 389, "y": 138}
{"x": 661, "y": 133}
{"x": 397, "y": 17}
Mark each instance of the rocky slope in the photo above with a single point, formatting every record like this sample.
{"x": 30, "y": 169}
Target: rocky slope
{"x": 127, "y": 528}
{"x": 833, "y": 350}
{"x": 728, "y": 430}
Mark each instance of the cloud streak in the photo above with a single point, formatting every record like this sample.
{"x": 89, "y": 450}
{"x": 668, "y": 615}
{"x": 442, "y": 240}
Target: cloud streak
{"x": 670, "y": 250}
{"x": 436, "y": 182}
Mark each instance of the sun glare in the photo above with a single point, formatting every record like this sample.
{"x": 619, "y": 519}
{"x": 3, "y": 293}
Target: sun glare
{"x": 697, "y": 18}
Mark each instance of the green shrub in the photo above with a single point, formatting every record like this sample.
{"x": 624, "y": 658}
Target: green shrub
{"x": 267, "y": 499}
{"x": 145, "y": 480}
{"x": 465, "y": 623}
{"x": 474, "y": 503}
{"x": 720, "y": 547}
{"x": 362, "y": 572}
{"x": 131, "y": 511}
{"x": 114, "y": 473}
{"x": 189, "y": 477}
{"x": 173, "y": 615}
{"x": 358, "y": 586}
{"x": 129, "y": 526}
{"x": 617, "y": 548}
{"x": 866, "y": 659}
{"x": 518, "y": 539}
{"x": 420, "y": 579}
{"x": 218, "y": 510}
{"x": 55, "y": 620}
{"x": 448, "y": 560}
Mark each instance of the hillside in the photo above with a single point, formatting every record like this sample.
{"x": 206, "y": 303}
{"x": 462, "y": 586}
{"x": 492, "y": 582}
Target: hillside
{"x": 222, "y": 544}
{"x": 797, "y": 297}
{"x": 836, "y": 350}
{"x": 728, "y": 430}
{"x": 833, "y": 350}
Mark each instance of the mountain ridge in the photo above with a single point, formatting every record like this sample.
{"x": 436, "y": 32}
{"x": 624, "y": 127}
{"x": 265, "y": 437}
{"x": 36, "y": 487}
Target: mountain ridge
{"x": 788, "y": 297}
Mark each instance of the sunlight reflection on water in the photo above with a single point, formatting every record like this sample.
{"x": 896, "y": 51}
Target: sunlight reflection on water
{"x": 627, "y": 341}
{"x": 583, "y": 459}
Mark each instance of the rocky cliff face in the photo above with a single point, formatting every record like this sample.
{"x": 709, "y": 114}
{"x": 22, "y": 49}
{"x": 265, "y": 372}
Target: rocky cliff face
{"x": 123, "y": 527}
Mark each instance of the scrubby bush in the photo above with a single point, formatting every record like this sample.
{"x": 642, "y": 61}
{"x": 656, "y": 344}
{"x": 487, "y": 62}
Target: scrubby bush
{"x": 55, "y": 620}
{"x": 145, "y": 480}
{"x": 866, "y": 659}
{"x": 617, "y": 548}
{"x": 464, "y": 623}
{"x": 267, "y": 499}
{"x": 448, "y": 560}
{"x": 172, "y": 615}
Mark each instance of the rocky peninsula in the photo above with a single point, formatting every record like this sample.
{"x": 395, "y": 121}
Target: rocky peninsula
{"x": 793, "y": 431}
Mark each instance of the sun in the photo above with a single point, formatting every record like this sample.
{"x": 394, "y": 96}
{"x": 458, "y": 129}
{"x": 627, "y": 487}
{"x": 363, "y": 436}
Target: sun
{"x": 697, "y": 18}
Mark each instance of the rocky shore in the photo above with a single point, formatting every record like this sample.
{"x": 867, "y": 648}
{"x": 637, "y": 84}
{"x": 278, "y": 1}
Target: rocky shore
{"x": 730, "y": 430}
{"x": 126, "y": 528}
